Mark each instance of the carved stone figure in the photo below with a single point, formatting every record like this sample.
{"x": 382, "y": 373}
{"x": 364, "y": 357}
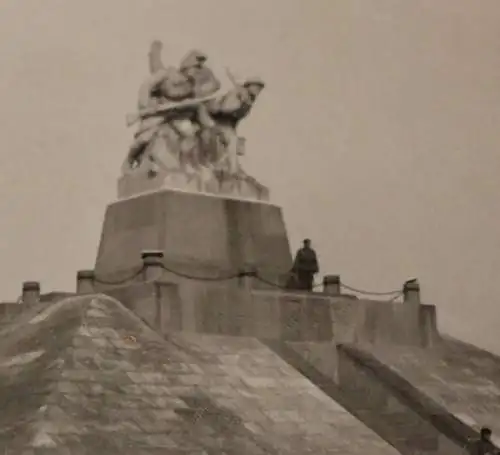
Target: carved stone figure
{"x": 166, "y": 87}
{"x": 203, "y": 79}
{"x": 173, "y": 85}
{"x": 227, "y": 112}
{"x": 187, "y": 128}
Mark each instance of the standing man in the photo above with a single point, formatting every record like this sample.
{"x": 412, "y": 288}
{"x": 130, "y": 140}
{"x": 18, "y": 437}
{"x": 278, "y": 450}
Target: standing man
{"x": 305, "y": 266}
{"x": 483, "y": 445}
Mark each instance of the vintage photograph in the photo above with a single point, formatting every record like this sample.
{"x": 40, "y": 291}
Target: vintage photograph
{"x": 250, "y": 227}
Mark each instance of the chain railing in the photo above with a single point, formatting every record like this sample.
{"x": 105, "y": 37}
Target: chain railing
{"x": 141, "y": 269}
{"x": 124, "y": 280}
{"x": 229, "y": 277}
{"x": 394, "y": 294}
{"x": 363, "y": 292}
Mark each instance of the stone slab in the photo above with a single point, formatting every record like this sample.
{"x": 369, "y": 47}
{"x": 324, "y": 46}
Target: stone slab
{"x": 201, "y": 235}
{"x": 387, "y": 323}
{"x": 461, "y": 378}
{"x": 392, "y": 407}
{"x": 135, "y": 183}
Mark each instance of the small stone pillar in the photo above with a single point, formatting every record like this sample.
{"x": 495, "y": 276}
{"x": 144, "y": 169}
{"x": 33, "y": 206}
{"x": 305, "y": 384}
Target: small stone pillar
{"x": 152, "y": 262}
{"x": 248, "y": 273}
{"x": 85, "y": 282}
{"x": 31, "y": 292}
{"x": 331, "y": 284}
{"x": 411, "y": 292}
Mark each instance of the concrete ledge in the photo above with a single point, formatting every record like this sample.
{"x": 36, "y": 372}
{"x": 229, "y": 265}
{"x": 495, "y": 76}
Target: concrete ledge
{"x": 362, "y": 374}
{"x": 378, "y": 322}
{"x": 55, "y": 295}
{"x": 233, "y": 309}
{"x": 291, "y": 316}
{"x": 363, "y": 321}
{"x": 367, "y": 397}
{"x": 227, "y": 310}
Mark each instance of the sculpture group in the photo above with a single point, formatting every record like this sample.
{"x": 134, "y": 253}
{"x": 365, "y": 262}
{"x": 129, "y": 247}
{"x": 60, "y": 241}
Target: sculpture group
{"x": 187, "y": 123}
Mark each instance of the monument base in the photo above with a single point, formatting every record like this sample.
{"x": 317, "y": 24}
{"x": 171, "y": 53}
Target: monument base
{"x": 142, "y": 180}
{"x": 201, "y": 235}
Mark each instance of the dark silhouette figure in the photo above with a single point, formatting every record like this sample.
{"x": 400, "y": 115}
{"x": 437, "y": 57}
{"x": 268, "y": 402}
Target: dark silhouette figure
{"x": 482, "y": 445}
{"x": 305, "y": 266}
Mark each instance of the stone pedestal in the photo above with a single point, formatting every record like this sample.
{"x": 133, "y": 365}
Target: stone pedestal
{"x": 144, "y": 180}
{"x": 200, "y": 235}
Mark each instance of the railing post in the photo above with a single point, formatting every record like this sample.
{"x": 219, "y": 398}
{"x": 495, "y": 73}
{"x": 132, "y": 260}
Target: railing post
{"x": 85, "y": 282}
{"x": 247, "y": 275}
{"x": 411, "y": 292}
{"x": 152, "y": 262}
{"x": 31, "y": 292}
{"x": 331, "y": 284}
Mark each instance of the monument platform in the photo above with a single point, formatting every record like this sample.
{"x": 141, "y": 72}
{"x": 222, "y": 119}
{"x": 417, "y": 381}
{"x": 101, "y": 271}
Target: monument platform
{"x": 201, "y": 235}
{"x": 145, "y": 179}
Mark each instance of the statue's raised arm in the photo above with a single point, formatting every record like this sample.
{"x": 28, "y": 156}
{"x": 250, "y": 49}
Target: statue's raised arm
{"x": 154, "y": 57}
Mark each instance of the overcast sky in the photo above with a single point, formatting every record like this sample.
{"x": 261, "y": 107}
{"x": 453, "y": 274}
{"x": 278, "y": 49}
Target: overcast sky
{"x": 377, "y": 133}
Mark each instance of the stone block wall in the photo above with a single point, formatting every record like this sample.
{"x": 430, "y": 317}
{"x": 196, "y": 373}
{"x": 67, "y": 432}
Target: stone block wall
{"x": 376, "y": 322}
{"x": 228, "y": 310}
{"x": 199, "y": 235}
{"x": 150, "y": 301}
{"x": 233, "y": 308}
{"x": 9, "y": 311}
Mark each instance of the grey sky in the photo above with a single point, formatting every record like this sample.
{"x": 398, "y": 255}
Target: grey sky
{"x": 377, "y": 133}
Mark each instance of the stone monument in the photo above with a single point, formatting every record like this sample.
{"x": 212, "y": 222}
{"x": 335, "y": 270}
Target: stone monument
{"x": 182, "y": 188}
{"x": 187, "y": 136}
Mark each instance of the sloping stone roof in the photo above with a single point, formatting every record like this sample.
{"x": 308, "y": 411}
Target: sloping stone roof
{"x": 86, "y": 376}
{"x": 460, "y": 377}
